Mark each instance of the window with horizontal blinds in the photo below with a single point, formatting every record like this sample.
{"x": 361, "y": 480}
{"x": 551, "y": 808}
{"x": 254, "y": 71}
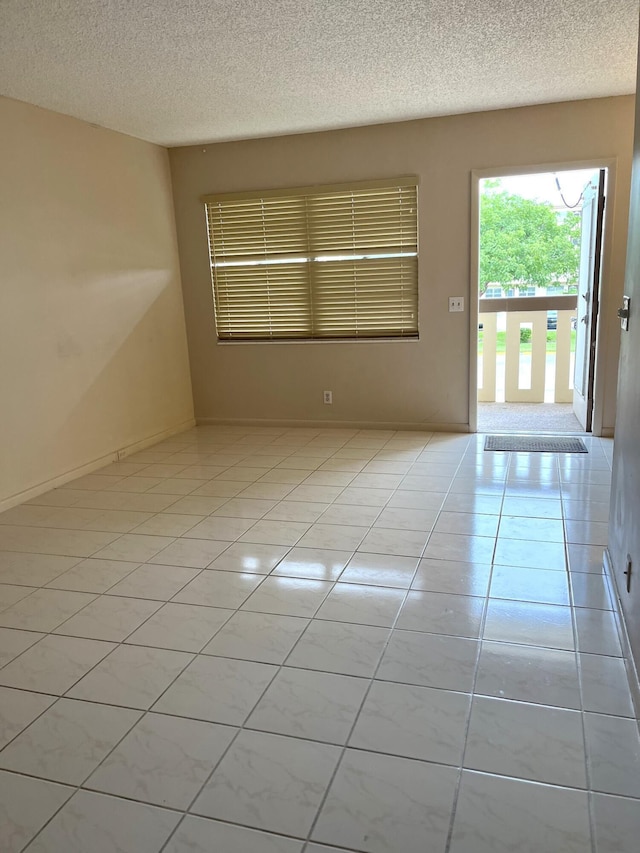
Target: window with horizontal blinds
{"x": 316, "y": 263}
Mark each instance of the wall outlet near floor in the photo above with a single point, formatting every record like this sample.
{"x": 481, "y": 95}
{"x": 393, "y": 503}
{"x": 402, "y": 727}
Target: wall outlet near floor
{"x": 327, "y": 397}
{"x": 456, "y": 303}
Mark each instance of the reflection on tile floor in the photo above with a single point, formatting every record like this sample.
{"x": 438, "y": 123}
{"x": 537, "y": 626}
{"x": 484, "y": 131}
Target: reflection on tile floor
{"x": 257, "y": 640}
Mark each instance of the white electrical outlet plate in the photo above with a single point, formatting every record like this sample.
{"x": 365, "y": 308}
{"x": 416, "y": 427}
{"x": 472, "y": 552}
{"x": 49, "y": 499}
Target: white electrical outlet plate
{"x": 327, "y": 397}
{"x": 456, "y": 303}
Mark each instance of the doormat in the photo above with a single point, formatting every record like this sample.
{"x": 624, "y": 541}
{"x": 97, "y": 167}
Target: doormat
{"x": 535, "y": 443}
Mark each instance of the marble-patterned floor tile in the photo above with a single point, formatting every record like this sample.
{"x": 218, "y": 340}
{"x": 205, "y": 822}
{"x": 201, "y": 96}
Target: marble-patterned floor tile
{"x": 196, "y": 505}
{"x": 168, "y": 524}
{"x": 527, "y": 741}
{"x": 616, "y": 822}
{"x": 109, "y": 618}
{"x": 299, "y": 511}
{"x": 430, "y": 660}
{"x": 219, "y": 589}
{"x": 364, "y": 497}
{"x": 270, "y": 782}
{"x": 183, "y": 627}
{"x": 380, "y": 570}
{"x": 613, "y": 753}
{"x": 532, "y": 507}
{"x": 308, "y": 704}
{"x": 407, "y": 543}
{"x": 68, "y": 741}
{"x": 425, "y": 482}
{"x": 340, "y": 647}
{"x": 585, "y": 558}
{"x": 383, "y": 804}
{"x": 360, "y": 516}
{"x": 249, "y": 557}
{"x": 497, "y": 815}
{"x": 586, "y": 510}
{"x": 13, "y": 642}
{"x": 452, "y": 576}
{"x": 262, "y": 490}
{"x": 218, "y": 690}
{"x": 244, "y": 508}
{"x": 459, "y": 547}
{"x": 605, "y": 686}
{"x": 163, "y": 760}
{"x": 221, "y": 488}
{"x": 531, "y": 529}
{"x": 262, "y": 637}
{"x": 134, "y": 547}
{"x": 154, "y": 581}
{"x": 582, "y": 532}
{"x": 528, "y": 673}
{"x": 68, "y": 543}
{"x": 97, "y": 822}
{"x": 376, "y": 481}
{"x": 538, "y": 585}
{"x": 416, "y": 722}
{"x": 366, "y": 605}
{"x": 192, "y": 553}
{"x": 220, "y": 528}
{"x": 54, "y": 664}
{"x": 133, "y": 676}
{"x": 33, "y": 569}
{"x": 44, "y": 609}
{"x": 337, "y": 536}
{"x": 405, "y": 518}
{"x": 275, "y": 532}
{"x": 441, "y": 613}
{"x": 410, "y": 499}
{"x": 322, "y": 848}
{"x": 25, "y": 806}
{"x": 288, "y": 596}
{"x": 597, "y": 632}
{"x": 11, "y": 594}
{"x": 518, "y": 552}
{"x": 93, "y": 575}
{"x": 200, "y": 835}
{"x": 590, "y": 590}
{"x": 19, "y": 708}
{"x": 532, "y": 624}
{"x": 467, "y": 524}
{"x": 315, "y": 563}
{"x": 473, "y": 503}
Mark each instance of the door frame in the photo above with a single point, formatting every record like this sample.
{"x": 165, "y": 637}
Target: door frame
{"x": 608, "y": 163}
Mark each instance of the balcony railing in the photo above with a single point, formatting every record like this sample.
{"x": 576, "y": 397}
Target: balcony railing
{"x": 527, "y": 364}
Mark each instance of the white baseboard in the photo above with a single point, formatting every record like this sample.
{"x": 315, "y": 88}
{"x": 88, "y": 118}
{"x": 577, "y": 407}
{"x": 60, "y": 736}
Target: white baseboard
{"x": 93, "y": 465}
{"x": 631, "y": 665}
{"x": 311, "y": 424}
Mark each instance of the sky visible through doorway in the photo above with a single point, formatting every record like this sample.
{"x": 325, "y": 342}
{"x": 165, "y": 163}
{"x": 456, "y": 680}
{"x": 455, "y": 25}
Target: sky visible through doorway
{"x": 542, "y": 186}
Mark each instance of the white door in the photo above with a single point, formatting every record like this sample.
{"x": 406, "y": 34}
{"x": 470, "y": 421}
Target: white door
{"x": 588, "y": 296}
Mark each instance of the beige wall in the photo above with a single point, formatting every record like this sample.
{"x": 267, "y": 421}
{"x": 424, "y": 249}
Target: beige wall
{"x": 93, "y": 353}
{"x": 413, "y": 383}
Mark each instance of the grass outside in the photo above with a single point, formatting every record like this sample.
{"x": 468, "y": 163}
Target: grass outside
{"x": 525, "y": 346}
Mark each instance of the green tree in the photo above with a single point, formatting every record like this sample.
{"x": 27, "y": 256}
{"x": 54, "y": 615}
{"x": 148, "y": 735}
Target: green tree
{"x": 525, "y": 242}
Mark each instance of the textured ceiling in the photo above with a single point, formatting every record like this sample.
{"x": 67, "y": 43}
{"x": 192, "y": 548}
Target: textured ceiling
{"x": 184, "y": 71}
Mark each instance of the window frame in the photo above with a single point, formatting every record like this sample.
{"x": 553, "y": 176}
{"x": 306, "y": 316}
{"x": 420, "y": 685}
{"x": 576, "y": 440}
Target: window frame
{"x": 359, "y": 276}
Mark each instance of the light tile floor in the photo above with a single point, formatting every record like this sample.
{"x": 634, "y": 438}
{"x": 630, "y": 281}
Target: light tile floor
{"x": 251, "y": 640}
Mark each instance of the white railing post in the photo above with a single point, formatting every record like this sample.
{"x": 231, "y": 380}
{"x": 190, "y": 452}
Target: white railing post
{"x": 563, "y": 391}
{"x": 513, "y": 392}
{"x": 487, "y": 393}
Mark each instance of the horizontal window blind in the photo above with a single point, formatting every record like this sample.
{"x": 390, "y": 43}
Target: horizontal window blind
{"x": 332, "y": 262}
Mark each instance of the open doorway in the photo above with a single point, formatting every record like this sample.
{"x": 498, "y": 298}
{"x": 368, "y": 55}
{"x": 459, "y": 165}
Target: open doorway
{"x": 538, "y": 276}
